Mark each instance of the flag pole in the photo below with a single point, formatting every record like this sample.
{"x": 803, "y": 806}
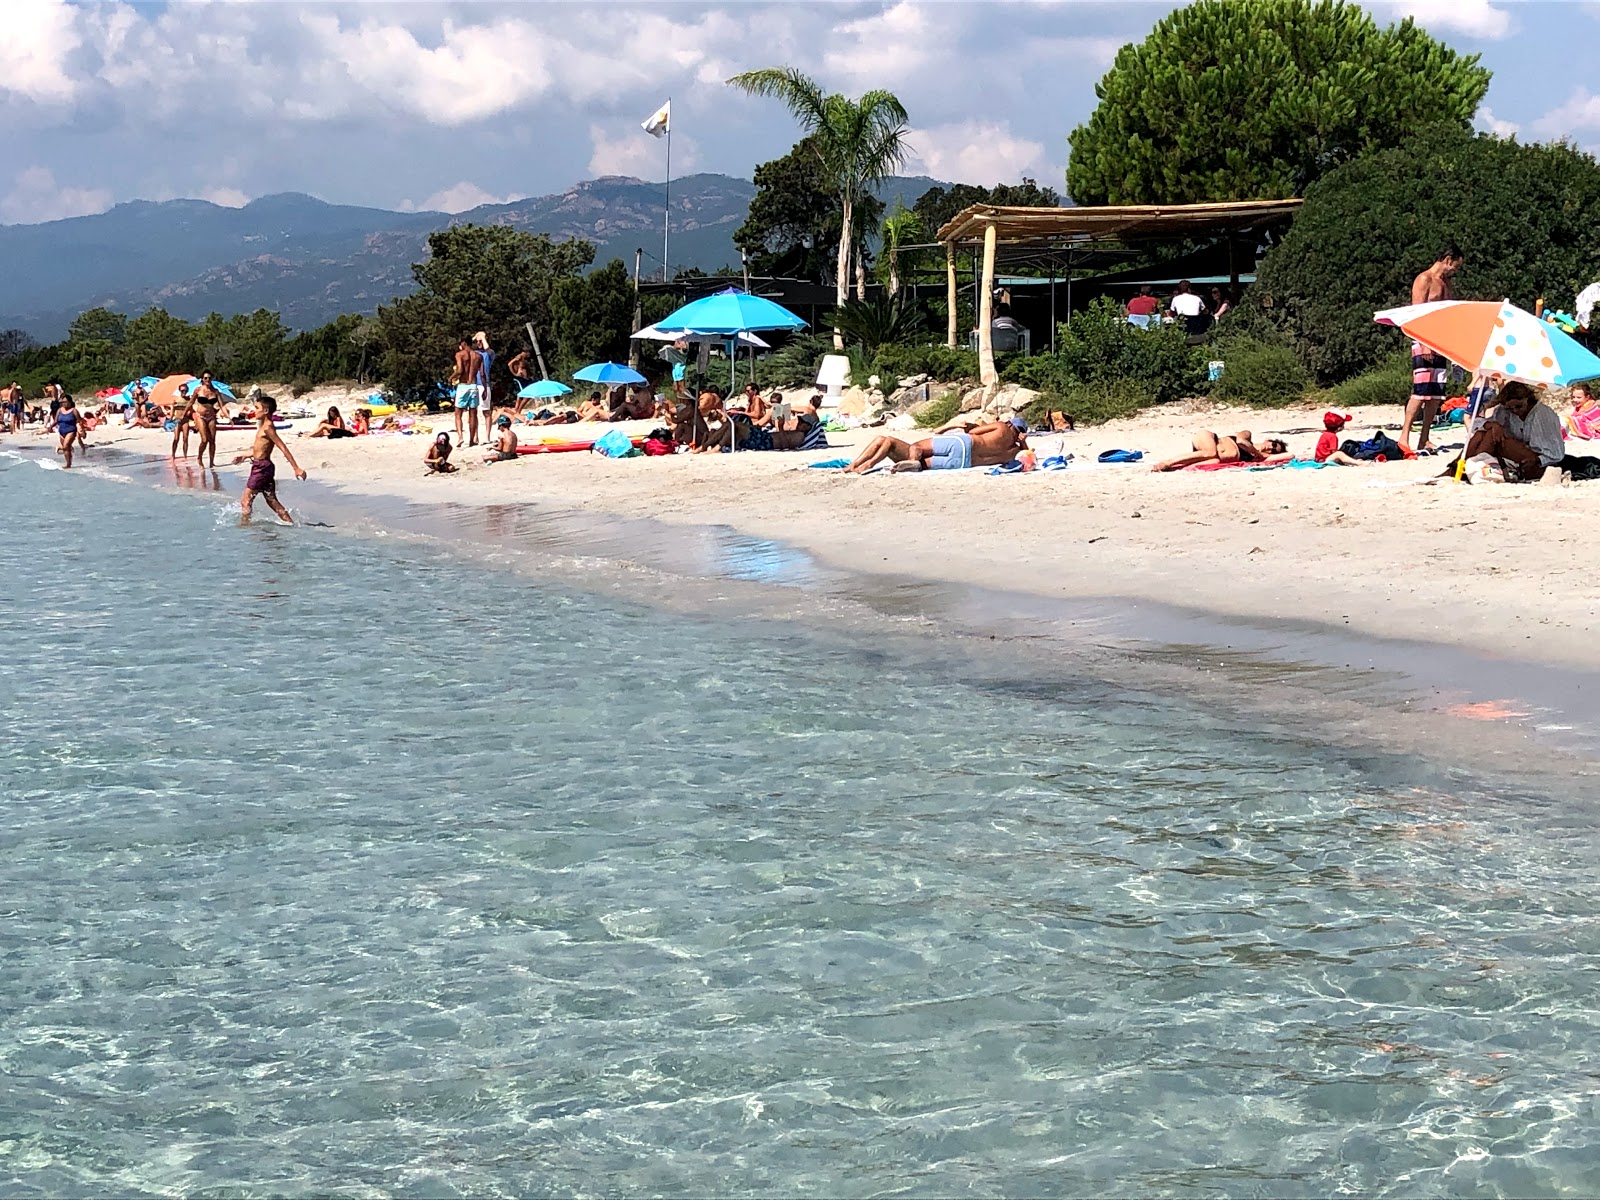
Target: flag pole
{"x": 666, "y": 215}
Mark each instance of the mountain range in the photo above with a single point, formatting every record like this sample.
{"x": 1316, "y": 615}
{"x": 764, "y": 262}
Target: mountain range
{"x": 310, "y": 260}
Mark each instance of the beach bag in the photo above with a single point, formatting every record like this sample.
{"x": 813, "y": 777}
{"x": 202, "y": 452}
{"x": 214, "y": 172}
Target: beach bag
{"x": 613, "y": 443}
{"x": 1584, "y": 468}
{"x": 1380, "y": 447}
{"x": 655, "y": 447}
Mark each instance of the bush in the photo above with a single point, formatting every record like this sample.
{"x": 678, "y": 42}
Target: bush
{"x": 1389, "y": 383}
{"x": 796, "y": 363}
{"x": 1264, "y": 374}
{"x": 1525, "y": 216}
{"x": 300, "y": 385}
{"x": 1100, "y": 346}
{"x": 1103, "y": 400}
{"x": 895, "y": 362}
{"x": 939, "y": 411}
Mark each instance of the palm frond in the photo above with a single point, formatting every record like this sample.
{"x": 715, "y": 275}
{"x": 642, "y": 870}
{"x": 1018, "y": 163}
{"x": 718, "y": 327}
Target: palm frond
{"x": 799, "y": 93}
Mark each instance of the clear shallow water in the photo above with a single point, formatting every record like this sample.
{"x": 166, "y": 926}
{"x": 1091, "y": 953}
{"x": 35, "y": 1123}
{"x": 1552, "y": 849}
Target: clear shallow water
{"x": 306, "y": 889}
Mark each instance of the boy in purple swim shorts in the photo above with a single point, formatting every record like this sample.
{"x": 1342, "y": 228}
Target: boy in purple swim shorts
{"x": 263, "y": 478}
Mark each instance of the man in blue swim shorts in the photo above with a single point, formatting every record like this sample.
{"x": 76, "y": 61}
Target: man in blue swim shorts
{"x": 986, "y": 445}
{"x": 464, "y": 375}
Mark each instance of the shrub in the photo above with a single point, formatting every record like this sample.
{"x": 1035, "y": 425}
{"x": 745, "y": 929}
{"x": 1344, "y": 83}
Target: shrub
{"x": 895, "y": 362}
{"x": 1524, "y": 215}
{"x": 1389, "y": 383}
{"x": 796, "y": 363}
{"x": 1261, "y": 373}
{"x": 1100, "y": 401}
{"x": 1100, "y": 346}
{"x": 300, "y": 385}
{"x": 939, "y": 411}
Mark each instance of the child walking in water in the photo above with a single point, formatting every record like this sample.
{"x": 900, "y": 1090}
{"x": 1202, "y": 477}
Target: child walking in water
{"x": 262, "y": 479}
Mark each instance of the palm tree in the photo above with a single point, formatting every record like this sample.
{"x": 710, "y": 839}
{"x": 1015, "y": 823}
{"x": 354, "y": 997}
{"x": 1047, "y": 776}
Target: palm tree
{"x": 899, "y": 227}
{"x": 859, "y": 143}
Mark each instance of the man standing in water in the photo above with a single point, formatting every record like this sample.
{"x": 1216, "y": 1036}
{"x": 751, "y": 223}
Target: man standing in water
{"x": 1430, "y": 372}
{"x": 464, "y": 374}
{"x": 263, "y": 477}
{"x": 205, "y": 399}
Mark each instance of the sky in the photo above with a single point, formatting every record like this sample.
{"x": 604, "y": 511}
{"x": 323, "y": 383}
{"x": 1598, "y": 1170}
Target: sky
{"x": 428, "y": 105}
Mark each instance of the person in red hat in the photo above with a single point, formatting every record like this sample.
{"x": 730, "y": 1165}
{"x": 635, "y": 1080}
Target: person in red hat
{"x": 1328, "y": 444}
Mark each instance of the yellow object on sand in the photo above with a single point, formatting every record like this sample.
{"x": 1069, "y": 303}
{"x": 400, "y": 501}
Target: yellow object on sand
{"x": 380, "y": 410}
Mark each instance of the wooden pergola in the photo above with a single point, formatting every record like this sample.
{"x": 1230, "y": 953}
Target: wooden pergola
{"x": 994, "y": 225}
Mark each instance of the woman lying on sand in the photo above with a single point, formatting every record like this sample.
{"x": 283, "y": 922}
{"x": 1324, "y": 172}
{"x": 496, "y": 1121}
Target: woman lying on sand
{"x": 1208, "y": 447}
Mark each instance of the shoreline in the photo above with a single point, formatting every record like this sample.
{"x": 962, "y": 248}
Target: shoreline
{"x": 1456, "y": 706}
{"x": 1493, "y": 567}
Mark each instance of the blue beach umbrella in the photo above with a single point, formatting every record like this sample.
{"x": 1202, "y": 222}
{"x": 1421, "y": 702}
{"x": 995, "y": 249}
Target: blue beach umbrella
{"x": 609, "y": 373}
{"x": 729, "y": 313}
{"x": 223, "y": 388}
{"x": 545, "y": 389}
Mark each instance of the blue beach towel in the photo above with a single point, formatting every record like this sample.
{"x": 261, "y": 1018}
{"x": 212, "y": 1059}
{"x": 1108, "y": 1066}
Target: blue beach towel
{"x": 831, "y": 464}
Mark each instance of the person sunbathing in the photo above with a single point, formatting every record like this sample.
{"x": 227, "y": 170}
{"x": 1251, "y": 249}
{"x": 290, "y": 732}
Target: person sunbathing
{"x": 637, "y": 405}
{"x": 1208, "y": 447}
{"x": 1585, "y": 420}
{"x": 332, "y": 426}
{"x": 986, "y": 445}
{"x": 545, "y": 417}
{"x": 594, "y": 409}
{"x": 437, "y": 460}
{"x": 741, "y": 433}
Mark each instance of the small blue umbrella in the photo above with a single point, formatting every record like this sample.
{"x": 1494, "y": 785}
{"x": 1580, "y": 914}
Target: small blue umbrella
{"x": 545, "y": 389}
{"x": 613, "y": 374}
{"x": 729, "y": 313}
{"x": 220, "y": 386}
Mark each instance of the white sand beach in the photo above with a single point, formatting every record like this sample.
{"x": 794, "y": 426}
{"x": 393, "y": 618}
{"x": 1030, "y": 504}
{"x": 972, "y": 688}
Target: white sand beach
{"x": 1373, "y": 549}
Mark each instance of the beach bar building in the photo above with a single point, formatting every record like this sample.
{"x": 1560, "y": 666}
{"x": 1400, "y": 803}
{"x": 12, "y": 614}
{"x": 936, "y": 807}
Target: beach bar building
{"x": 1224, "y": 238}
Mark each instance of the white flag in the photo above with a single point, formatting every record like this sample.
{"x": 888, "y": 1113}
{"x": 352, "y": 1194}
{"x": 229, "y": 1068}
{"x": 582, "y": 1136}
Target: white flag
{"x": 661, "y": 123}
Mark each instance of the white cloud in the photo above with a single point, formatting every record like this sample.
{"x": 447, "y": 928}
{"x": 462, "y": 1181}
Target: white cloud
{"x": 227, "y": 197}
{"x": 39, "y": 37}
{"x": 457, "y": 198}
{"x": 1475, "y": 18}
{"x": 985, "y": 152}
{"x": 36, "y": 196}
{"x": 629, "y": 150}
{"x": 887, "y": 48}
{"x": 1489, "y": 123}
{"x": 1580, "y": 112}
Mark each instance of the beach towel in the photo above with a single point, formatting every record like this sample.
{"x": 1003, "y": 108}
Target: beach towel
{"x": 831, "y": 464}
{"x": 613, "y": 444}
{"x": 1294, "y": 464}
{"x": 1224, "y": 466}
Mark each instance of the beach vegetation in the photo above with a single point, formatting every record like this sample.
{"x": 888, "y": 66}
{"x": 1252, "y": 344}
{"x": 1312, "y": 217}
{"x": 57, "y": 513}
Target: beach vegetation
{"x": 939, "y": 410}
{"x": 857, "y": 144}
{"x": 476, "y": 277}
{"x": 902, "y": 227}
{"x": 1099, "y": 346}
{"x": 795, "y": 363}
{"x": 591, "y": 317}
{"x": 1387, "y": 383}
{"x": 1527, "y": 218}
{"x": 903, "y": 361}
{"x": 791, "y": 229}
{"x": 1261, "y": 372}
{"x": 877, "y": 321}
{"x": 1257, "y": 99}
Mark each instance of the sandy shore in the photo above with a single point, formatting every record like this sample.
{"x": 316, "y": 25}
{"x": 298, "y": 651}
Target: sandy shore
{"x": 1372, "y": 549}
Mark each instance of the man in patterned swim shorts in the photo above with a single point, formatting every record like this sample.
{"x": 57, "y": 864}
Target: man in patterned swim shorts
{"x": 1430, "y": 372}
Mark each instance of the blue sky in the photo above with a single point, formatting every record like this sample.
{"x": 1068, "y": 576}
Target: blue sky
{"x": 440, "y": 105}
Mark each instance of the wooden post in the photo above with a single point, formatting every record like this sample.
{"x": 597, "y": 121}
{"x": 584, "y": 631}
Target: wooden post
{"x": 987, "y": 375}
{"x": 950, "y": 288}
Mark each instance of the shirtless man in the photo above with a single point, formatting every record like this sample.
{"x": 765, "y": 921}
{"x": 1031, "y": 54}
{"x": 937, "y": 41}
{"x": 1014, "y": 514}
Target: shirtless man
{"x": 464, "y": 375}
{"x": 594, "y": 409}
{"x": 1429, "y": 371}
{"x": 986, "y": 445}
{"x": 517, "y": 364}
{"x": 11, "y": 418}
{"x": 638, "y": 404}
{"x": 263, "y": 477}
{"x": 206, "y": 398}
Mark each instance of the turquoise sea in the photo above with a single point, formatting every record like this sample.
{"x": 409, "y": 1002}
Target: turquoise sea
{"x": 334, "y": 863}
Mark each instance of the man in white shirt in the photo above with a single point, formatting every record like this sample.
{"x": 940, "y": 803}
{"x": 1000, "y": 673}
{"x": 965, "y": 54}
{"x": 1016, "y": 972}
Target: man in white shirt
{"x": 1524, "y": 433}
{"x": 1186, "y": 304}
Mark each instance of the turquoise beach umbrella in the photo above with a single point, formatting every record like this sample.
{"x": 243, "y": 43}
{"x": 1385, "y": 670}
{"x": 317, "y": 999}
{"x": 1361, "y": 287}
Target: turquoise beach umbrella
{"x": 729, "y": 313}
{"x": 609, "y": 373}
{"x": 545, "y": 389}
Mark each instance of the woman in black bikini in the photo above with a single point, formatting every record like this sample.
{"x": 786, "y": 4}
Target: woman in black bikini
{"x": 1208, "y": 447}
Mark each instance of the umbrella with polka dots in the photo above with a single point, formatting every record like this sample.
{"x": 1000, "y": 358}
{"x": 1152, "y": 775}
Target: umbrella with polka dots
{"x": 1495, "y": 338}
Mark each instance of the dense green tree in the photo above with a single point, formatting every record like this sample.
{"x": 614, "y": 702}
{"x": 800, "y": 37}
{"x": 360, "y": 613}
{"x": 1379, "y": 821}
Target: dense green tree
{"x": 98, "y": 325}
{"x": 592, "y": 317}
{"x": 332, "y": 351}
{"x": 936, "y": 206}
{"x": 487, "y": 277}
{"x": 1255, "y": 99}
{"x": 792, "y": 227}
{"x": 902, "y": 227}
{"x": 858, "y": 144}
{"x": 159, "y": 343}
{"x": 1526, "y": 217}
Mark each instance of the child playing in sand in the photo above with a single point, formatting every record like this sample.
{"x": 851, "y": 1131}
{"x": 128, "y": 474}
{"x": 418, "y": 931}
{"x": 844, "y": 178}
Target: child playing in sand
{"x": 437, "y": 460}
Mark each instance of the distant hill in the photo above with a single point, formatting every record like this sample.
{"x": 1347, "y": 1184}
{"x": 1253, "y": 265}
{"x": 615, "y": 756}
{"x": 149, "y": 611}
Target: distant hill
{"x": 310, "y": 260}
